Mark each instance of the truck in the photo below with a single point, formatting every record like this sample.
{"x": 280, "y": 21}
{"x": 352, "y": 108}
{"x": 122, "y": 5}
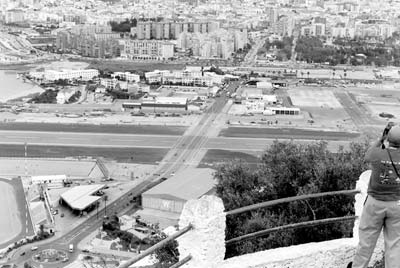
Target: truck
{"x": 71, "y": 248}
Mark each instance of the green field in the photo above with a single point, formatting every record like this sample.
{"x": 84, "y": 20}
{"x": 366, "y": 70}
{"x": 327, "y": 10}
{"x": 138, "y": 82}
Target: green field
{"x": 120, "y": 129}
{"x": 123, "y": 155}
{"x": 286, "y": 133}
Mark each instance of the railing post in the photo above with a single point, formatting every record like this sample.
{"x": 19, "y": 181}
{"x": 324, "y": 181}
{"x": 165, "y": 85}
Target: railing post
{"x": 362, "y": 185}
{"x": 206, "y": 242}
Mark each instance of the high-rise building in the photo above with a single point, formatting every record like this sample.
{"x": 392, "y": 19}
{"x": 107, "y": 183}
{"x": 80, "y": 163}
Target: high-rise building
{"x": 171, "y": 30}
{"x": 273, "y": 14}
{"x": 14, "y": 16}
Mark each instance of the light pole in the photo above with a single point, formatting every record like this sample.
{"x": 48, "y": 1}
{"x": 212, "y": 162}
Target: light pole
{"x": 26, "y": 156}
{"x": 105, "y": 205}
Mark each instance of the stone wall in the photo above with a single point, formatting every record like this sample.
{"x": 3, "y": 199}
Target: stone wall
{"x": 206, "y": 243}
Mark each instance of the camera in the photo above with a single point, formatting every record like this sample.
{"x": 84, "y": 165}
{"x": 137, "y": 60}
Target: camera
{"x": 385, "y": 133}
{"x": 387, "y": 129}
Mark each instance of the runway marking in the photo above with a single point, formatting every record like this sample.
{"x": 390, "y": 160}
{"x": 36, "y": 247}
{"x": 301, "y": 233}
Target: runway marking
{"x": 126, "y": 140}
{"x": 18, "y": 137}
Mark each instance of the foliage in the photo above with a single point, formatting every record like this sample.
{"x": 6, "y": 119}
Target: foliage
{"x": 127, "y": 24}
{"x": 124, "y": 26}
{"x": 289, "y": 169}
{"x": 167, "y": 255}
{"x": 118, "y": 94}
{"x": 284, "y": 48}
{"x": 216, "y": 70}
{"x": 75, "y": 97}
{"x": 49, "y": 96}
{"x": 61, "y": 82}
{"x": 344, "y": 51}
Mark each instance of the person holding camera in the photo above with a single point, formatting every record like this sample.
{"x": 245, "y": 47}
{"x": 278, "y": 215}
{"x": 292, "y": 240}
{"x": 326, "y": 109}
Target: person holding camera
{"x": 382, "y": 205}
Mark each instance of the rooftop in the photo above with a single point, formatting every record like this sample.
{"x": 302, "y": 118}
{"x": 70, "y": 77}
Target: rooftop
{"x": 80, "y": 197}
{"x": 190, "y": 183}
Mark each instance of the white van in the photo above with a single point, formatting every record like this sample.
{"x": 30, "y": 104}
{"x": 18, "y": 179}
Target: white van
{"x": 71, "y": 248}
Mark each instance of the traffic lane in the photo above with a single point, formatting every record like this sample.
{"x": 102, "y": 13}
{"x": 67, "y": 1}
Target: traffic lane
{"x": 251, "y": 144}
{"x": 87, "y": 139}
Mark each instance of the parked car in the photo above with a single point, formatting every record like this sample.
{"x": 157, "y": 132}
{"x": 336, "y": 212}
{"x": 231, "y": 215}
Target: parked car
{"x": 22, "y": 254}
{"x": 34, "y": 248}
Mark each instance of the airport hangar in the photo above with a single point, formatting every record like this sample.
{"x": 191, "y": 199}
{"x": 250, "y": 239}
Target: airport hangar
{"x": 172, "y": 194}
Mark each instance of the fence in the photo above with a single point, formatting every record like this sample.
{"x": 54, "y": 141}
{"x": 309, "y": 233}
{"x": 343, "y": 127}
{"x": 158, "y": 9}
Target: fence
{"x": 202, "y": 236}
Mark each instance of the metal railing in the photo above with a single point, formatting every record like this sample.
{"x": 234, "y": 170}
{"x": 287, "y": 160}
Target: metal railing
{"x": 157, "y": 246}
{"x": 182, "y": 262}
{"x": 293, "y": 225}
{"x": 255, "y": 234}
{"x": 289, "y": 226}
{"x": 289, "y": 199}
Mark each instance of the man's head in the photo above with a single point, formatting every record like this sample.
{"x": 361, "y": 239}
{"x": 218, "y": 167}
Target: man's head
{"x": 394, "y": 137}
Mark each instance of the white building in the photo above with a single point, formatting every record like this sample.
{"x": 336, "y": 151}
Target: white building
{"x": 127, "y": 76}
{"x": 341, "y": 31}
{"x": 52, "y": 181}
{"x": 183, "y": 78}
{"x": 85, "y": 75}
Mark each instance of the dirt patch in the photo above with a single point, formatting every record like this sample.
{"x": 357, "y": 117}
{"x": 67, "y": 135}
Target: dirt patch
{"x": 313, "y": 98}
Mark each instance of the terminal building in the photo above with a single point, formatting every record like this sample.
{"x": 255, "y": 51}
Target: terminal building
{"x": 82, "y": 198}
{"x": 158, "y": 105}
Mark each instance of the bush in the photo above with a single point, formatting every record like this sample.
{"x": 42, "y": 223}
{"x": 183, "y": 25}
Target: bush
{"x": 49, "y": 96}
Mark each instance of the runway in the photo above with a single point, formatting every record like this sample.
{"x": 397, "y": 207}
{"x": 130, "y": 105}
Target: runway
{"x": 107, "y": 140}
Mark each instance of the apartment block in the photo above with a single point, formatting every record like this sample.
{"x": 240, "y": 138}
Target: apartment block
{"x": 147, "y": 50}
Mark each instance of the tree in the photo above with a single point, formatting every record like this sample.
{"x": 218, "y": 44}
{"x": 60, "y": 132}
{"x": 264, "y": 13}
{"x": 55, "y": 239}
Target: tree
{"x": 289, "y": 169}
{"x": 167, "y": 255}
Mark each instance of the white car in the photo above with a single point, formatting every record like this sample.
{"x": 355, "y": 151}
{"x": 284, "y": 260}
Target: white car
{"x": 34, "y": 248}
